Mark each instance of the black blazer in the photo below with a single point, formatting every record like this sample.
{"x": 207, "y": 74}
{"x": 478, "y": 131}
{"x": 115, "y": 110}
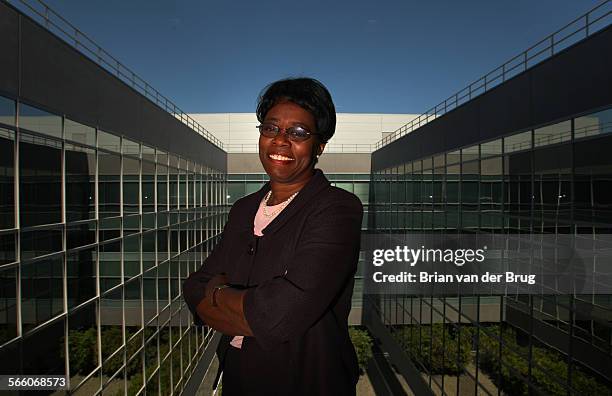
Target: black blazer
{"x": 299, "y": 276}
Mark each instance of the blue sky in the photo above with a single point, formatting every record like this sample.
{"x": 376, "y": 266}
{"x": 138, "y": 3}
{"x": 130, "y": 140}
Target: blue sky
{"x": 374, "y": 56}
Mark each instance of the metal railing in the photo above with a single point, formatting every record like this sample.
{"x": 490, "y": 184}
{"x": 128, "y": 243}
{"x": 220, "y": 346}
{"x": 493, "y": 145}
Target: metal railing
{"x": 63, "y": 29}
{"x": 329, "y": 148}
{"x": 593, "y": 21}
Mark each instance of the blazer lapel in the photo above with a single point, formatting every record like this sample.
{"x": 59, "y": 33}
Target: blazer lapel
{"x": 318, "y": 183}
{"x": 249, "y": 211}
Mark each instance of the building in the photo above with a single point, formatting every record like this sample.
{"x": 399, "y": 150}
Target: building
{"x": 527, "y": 156}
{"x": 107, "y": 201}
{"x": 110, "y": 195}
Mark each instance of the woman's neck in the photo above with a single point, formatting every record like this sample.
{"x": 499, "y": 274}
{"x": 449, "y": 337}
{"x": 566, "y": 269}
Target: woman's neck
{"x": 282, "y": 191}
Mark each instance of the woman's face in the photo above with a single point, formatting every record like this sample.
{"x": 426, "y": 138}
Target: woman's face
{"x": 286, "y": 161}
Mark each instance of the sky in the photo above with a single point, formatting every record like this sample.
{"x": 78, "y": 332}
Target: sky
{"x": 215, "y": 56}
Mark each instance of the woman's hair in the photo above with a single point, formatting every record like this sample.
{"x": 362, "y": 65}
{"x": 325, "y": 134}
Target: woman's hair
{"x": 307, "y": 93}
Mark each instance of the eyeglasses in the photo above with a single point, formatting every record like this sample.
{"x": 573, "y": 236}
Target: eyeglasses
{"x": 295, "y": 133}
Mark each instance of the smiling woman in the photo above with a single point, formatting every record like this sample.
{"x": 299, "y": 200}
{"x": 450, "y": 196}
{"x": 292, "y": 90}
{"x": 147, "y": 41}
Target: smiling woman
{"x": 279, "y": 283}
{"x": 286, "y": 157}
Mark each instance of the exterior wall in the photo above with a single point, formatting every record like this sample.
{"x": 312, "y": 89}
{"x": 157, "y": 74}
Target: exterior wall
{"x": 36, "y": 66}
{"x": 354, "y": 132}
{"x": 528, "y": 157}
{"x": 107, "y": 203}
{"x": 328, "y": 163}
{"x": 570, "y": 83}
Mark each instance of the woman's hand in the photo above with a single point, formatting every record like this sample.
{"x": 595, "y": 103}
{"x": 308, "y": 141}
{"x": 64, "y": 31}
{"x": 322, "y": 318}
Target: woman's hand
{"x": 219, "y": 279}
{"x": 227, "y": 316}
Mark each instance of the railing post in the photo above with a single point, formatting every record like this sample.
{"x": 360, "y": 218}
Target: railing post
{"x": 47, "y": 17}
{"x": 552, "y": 44}
{"x": 587, "y": 24}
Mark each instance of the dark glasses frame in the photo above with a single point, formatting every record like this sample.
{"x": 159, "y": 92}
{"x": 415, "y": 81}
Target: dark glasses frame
{"x": 294, "y": 133}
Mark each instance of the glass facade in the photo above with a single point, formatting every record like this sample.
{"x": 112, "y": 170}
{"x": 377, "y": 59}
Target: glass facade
{"x": 97, "y": 233}
{"x": 551, "y": 179}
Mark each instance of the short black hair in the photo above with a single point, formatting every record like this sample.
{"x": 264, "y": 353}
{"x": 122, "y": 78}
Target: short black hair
{"x": 308, "y": 93}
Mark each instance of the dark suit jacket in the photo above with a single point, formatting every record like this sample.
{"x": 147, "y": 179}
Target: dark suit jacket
{"x": 299, "y": 276}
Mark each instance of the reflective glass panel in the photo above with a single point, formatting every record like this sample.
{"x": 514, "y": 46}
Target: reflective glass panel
{"x": 551, "y": 134}
{"x": 453, "y": 157}
{"x": 131, "y": 188}
{"x": 39, "y": 121}
{"x": 7, "y": 248}
{"x": 593, "y": 124}
{"x": 81, "y": 276}
{"x": 8, "y": 304}
{"x": 162, "y": 188}
{"x": 40, "y": 180}
{"x": 82, "y": 343}
{"x": 148, "y": 187}
{"x": 108, "y": 141}
{"x": 173, "y": 186}
{"x": 79, "y": 133}
{"x": 42, "y": 351}
{"x": 81, "y": 234}
{"x": 110, "y": 265}
{"x": 492, "y": 148}
{"x": 148, "y": 153}
{"x": 80, "y": 183}
{"x": 110, "y": 228}
{"x": 520, "y": 141}
{"x": 148, "y": 250}
{"x": 131, "y": 256}
{"x": 108, "y": 185}
{"x": 470, "y": 153}
{"x": 130, "y": 147}
{"x": 7, "y": 178}
{"x": 40, "y": 242}
{"x": 132, "y": 303}
{"x": 7, "y": 111}
{"x": 41, "y": 291}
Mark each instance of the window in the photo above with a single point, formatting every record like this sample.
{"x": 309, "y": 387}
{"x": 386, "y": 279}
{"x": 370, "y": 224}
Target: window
{"x": 148, "y": 187}
{"x": 40, "y": 121}
{"x": 8, "y": 304}
{"x": 470, "y": 153}
{"x": 131, "y": 188}
{"x": 108, "y": 141}
{"x": 110, "y": 265}
{"x": 41, "y": 291}
{"x": 551, "y": 134}
{"x": 80, "y": 183}
{"x": 131, "y": 148}
{"x": 593, "y": 124}
{"x": 490, "y": 149}
{"x": 81, "y": 276}
{"x": 520, "y": 141}
{"x": 79, "y": 133}
{"x": 7, "y": 179}
{"x": 7, "y": 111}
{"x": 109, "y": 186}
{"x": 40, "y": 181}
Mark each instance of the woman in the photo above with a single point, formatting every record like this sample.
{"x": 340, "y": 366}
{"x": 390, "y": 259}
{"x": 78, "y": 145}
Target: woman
{"x": 279, "y": 283}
